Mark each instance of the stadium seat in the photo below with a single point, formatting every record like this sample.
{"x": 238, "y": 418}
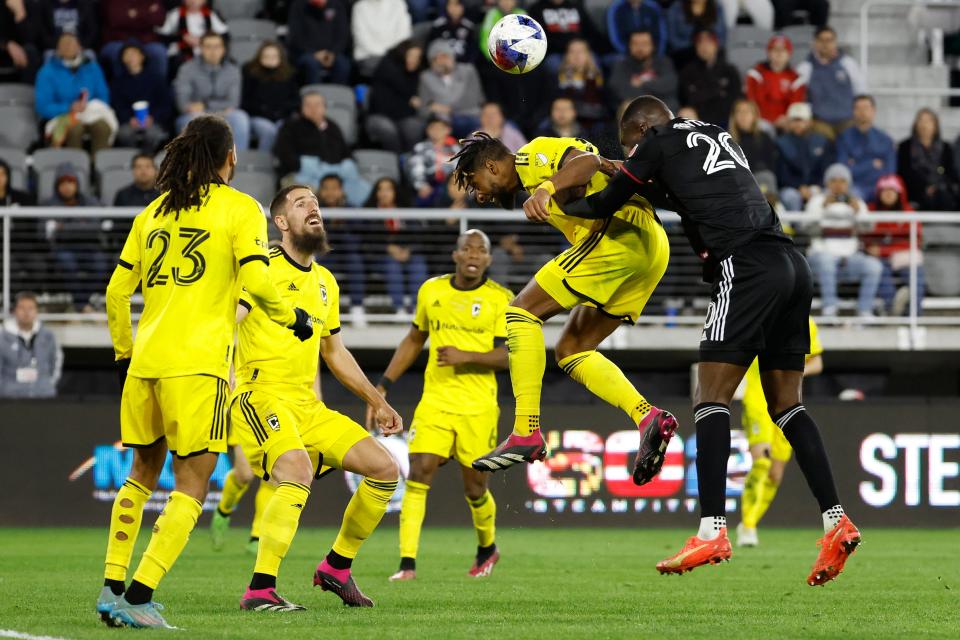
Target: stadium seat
{"x": 421, "y": 31}
{"x": 243, "y": 51}
{"x": 262, "y": 186}
{"x": 17, "y": 160}
{"x": 252, "y": 30}
{"x": 745, "y": 57}
{"x": 346, "y": 119}
{"x": 336, "y": 95}
{"x": 46, "y": 161}
{"x": 17, "y": 94}
{"x": 748, "y": 34}
{"x": 18, "y": 126}
{"x": 111, "y": 181}
{"x": 115, "y": 158}
{"x": 942, "y": 272}
{"x": 254, "y": 160}
{"x": 374, "y": 164}
{"x": 800, "y": 33}
{"x": 231, "y": 10}
{"x": 941, "y": 235}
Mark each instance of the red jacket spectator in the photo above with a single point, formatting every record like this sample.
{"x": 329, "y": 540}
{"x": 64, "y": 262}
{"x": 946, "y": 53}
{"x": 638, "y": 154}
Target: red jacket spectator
{"x": 773, "y": 84}
{"x": 890, "y": 237}
{"x": 132, "y": 20}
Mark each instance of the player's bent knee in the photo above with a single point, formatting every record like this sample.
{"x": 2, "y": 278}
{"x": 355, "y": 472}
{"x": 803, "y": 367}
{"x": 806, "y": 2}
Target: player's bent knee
{"x": 385, "y": 468}
{"x": 243, "y": 474}
{"x": 293, "y": 466}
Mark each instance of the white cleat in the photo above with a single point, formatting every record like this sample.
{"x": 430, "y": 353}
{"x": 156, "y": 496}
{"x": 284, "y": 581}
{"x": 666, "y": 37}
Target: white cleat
{"x": 747, "y": 537}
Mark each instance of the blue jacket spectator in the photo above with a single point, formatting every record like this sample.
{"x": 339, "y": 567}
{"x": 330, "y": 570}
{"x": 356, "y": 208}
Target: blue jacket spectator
{"x": 832, "y": 78}
{"x": 686, "y": 17}
{"x": 867, "y": 151}
{"x": 626, "y": 16}
{"x": 804, "y": 156}
{"x": 66, "y": 75}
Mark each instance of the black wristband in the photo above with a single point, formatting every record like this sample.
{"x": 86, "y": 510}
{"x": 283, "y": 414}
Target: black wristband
{"x": 384, "y": 382}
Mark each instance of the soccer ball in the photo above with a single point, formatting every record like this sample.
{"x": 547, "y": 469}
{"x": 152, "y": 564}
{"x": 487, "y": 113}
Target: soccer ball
{"x": 517, "y": 44}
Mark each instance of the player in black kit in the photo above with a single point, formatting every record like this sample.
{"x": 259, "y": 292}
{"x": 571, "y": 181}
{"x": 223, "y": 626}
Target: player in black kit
{"x": 762, "y": 287}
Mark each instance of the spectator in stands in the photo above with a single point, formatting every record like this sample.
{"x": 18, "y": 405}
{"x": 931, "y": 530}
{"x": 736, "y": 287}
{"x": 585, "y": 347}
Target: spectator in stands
{"x": 492, "y": 16}
{"x": 20, "y": 34}
{"x": 378, "y": 26}
{"x": 817, "y": 12}
{"x": 688, "y": 112}
{"x": 347, "y": 257}
{"x": 926, "y": 164}
{"x": 30, "y": 358}
{"x": 563, "y": 121}
{"x": 835, "y": 253}
{"x": 493, "y": 122}
{"x": 643, "y": 71}
{"x": 392, "y": 118}
{"x": 78, "y": 17}
{"x": 128, "y": 22}
{"x": 318, "y": 34}
{"x": 565, "y": 21}
{"x": 832, "y": 79}
{"x": 450, "y": 89}
{"x": 312, "y": 146}
{"x": 143, "y": 190}
{"x": 687, "y": 17}
{"x": 709, "y": 83}
{"x": 517, "y": 256}
{"x": 744, "y": 128}
{"x": 428, "y": 165}
{"x": 581, "y": 80}
{"x": 9, "y": 196}
{"x": 29, "y": 261}
{"x": 456, "y": 28}
{"x": 890, "y": 241}
{"x": 72, "y": 96}
{"x": 760, "y": 12}
{"x": 773, "y": 84}
{"x": 803, "y": 157}
{"x": 425, "y": 10}
{"x": 767, "y": 181}
{"x": 627, "y": 16}
{"x": 270, "y": 93}
{"x": 212, "y": 84}
{"x": 185, "y": 26}
{"x": 868, "y": 151}
{"x": 455, "y": 197}
{"x": 135, "y": 83}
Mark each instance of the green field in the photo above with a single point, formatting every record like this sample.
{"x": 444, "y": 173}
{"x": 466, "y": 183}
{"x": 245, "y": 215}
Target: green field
{"x": 550, "y": 583}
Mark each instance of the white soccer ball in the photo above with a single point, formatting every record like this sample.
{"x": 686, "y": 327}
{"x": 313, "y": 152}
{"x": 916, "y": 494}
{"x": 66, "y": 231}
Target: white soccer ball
{"x": 517, "y": 44}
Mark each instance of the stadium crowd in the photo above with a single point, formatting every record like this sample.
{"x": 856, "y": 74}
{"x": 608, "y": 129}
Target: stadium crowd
{"x": 132, "y": 73}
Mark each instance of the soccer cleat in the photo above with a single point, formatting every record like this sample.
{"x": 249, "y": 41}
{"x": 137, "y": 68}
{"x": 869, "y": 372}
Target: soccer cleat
{"x": 105, "y": 604}
{"x": 267, "y": 600}
{"x": 218, "y": 529}
{"x": 347, "y": 590}
{"x": 138, "y": 616}
{"x": 697, "y": 552}
{"x": 747, "y": 537}
{"x": 514, "y": 450}
{"x": 403, "y": 575}
{"x": 485, "y": 568}
{"x": 656, "y": 430}
{"x": 835, "y": 547}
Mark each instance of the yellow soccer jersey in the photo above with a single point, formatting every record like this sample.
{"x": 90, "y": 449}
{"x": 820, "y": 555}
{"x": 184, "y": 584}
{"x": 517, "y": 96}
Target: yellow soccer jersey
{"x": 188, "y": 264}
{"x": 267, "y": 352}
{"x": 541, "y": 158}
{"x": 469, "y": 320}
{"x": 754, "y": 402}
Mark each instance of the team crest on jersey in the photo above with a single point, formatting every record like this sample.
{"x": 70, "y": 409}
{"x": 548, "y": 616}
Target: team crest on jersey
{"x": 475, "y": 310}
{"x": 542, "y": 160}
{"x": 323, "y": 293}
{"x": 273, "y": 421}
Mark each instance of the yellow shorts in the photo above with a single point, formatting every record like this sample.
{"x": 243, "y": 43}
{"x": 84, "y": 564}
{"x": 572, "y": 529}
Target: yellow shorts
{"x": 453, "y": 435}
{"x": 269, "y": 421}
{"x": 189, "y": 411}
{"x": 615, "y": 269}
{"x": 762, "y": 430}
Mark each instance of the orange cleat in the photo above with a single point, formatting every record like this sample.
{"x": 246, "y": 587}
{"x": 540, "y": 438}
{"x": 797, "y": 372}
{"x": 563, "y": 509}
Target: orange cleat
{"x": 697, "y": 552}
{"x": 485, "y": 568}
{"x": 835, "y": 547}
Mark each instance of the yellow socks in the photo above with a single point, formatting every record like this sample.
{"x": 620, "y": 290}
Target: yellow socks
{"x": 752, "y": 489}
{"x": 768, "y": 490}
{"x": 170, "y": 535}
{"x": 260, "y": 502}
{"x": 528, "y": 361}
{"x": 363, "y": 514}
{"x": 125, "y": 521}
{"x": 484, "y": 511}
{"x": 279, "y": 524}
{"x": 232, "y": 493}
{"x": 412, "y": 511}
{"x": 605, "y": 380}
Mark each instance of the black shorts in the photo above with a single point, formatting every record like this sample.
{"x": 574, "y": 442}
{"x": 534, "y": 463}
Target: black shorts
{"x": 760, "y": 307}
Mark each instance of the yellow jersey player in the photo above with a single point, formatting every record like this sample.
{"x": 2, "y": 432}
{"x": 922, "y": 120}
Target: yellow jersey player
{"x": 768, "y": 446}
{"x": 287, "y": 434}
{"x": 188, "y": 248}
{"x": 605, "y": 277}
{"x": 462, "y": 314}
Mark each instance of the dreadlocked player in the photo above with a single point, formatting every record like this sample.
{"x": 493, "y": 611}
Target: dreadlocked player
{"x": 605, "y": 277}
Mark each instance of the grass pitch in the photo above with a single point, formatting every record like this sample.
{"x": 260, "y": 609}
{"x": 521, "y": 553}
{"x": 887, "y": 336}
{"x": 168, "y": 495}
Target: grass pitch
{"x": 550, "y": 583}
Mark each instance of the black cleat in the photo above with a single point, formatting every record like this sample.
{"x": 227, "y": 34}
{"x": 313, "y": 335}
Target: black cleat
{"x": 512, "y": 451}
{"x": 347, "y": 591}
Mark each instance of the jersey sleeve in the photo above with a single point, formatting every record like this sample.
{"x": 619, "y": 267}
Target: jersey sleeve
{"x": 250, "y": 234}
{"x": 131, "y": 253}
{"x": 816, "y": 347}
{"x": 332, "y": 324}
{"x": 420, "y": 319}
{"x": 542, "y": 157}
{"x": 644, "y": 160}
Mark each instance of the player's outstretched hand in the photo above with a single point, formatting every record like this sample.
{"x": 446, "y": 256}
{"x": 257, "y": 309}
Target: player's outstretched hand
{"x": 451, "y": 356}
{"x": 388, "y": 420}
{"x": 535, "y": 208}
{"x": 610, "y": 167}
{"x": 303, "y": 325}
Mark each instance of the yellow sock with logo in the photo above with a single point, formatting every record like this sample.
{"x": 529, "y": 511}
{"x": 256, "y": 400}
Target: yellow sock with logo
{"x": 233, "y": 491}
{"x": 125, "y": 518}
{"x": 170, "y": 536}
{"x": 528, "y": 361}
{"x": 412, "y": 512}
{"x": 752, "y": 488}
{"x": 279, "y": 524}
{"x": 484, "y": 511}
{"x": 363, "y": 514}
{"x": 605, "y": 380}
{"x": 260, "y": 502}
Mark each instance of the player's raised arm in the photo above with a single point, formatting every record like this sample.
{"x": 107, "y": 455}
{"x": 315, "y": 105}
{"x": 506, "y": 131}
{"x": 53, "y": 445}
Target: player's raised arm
{"x": 123, "y": 283}
{"x": 576, "y": 170}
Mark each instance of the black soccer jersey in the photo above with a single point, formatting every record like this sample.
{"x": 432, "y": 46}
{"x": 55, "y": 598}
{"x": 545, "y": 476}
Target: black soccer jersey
{"x": 708, "y": 180}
